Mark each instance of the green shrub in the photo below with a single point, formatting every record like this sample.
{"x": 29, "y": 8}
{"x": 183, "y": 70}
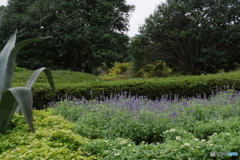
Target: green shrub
{"x": 203, "y": 130}
{"x": 185, "y": 86}
{"x": 157, "y": 69}
{"x": 175, "y": 127}
{"x": 119, "y": 68}
{"x": 139, "y": 119}
{"x": 175, "y": 147}
{"x": 18, "y": 69}
{"x": 60, "y": 76}
{"x": 53, "y": 139}
{"x": 119, "y": 71}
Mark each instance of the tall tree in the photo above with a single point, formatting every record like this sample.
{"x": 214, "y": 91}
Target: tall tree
{"x": 86, "y": 34}
{"x": 143, "y": 51}
{"x": 2, "y": 7}
{"x": 200, "y": 36}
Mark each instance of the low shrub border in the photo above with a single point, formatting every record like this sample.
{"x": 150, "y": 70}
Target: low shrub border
{"x": 186, "y": 86}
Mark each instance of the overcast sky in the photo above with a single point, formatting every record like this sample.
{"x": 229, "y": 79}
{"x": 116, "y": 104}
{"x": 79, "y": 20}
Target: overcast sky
{"x": 143, "y": 8}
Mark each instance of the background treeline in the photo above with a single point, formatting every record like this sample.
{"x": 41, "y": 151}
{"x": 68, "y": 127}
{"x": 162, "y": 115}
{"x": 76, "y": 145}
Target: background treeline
{"x": 193, "y": 37}
{"x": 184, "y": 37}
{"x": 85, "y": 34}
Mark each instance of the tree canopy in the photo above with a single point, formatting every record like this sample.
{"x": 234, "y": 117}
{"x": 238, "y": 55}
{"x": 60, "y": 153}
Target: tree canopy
{"x": 85, "y": 34}
{"x": 197, "y": 37}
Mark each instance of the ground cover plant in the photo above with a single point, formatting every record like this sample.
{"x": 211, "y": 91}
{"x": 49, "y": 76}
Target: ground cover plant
{"x": 52, "y": 140}
{"x": 186, "y": 128}
{"x": 57, "y": 138}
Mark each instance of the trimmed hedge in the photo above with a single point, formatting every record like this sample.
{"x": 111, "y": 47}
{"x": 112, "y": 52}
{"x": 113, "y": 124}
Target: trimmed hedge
{"x": 186, "y": 86}
{"x": 59, "y": 76}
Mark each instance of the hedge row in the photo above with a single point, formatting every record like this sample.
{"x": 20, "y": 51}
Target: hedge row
{"x": 186, "y": 86}
{"x": 59, "y": 76}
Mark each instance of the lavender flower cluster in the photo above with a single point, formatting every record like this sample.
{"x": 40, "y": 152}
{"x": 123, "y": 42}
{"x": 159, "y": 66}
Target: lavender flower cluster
{"x": 164, "y": 105}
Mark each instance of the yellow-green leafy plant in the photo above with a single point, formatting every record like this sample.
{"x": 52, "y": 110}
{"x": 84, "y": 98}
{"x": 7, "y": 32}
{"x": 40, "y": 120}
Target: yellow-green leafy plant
{"x": 10, "y": 98}
{"x": 157, "y": 69}
{"x": 120, "y": 71}
{"x": 119, "y": 68}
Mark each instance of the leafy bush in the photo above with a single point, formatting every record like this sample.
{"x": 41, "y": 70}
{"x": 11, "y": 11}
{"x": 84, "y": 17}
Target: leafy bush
{"x": 119, "y": 71}
{"x": 60, "y": 76}
{"x": 157, "y": 69}
{"x": 185, "y": 86}
{"x": 177, "y": 147}
{"x": 18, "y": 69}
{"x": 140, "y": 119}
{"x": 119, "y": 68}
{"x": 178, "y": 132}
{"x": 55, "y": 138}
{"x": 52, "y": 140}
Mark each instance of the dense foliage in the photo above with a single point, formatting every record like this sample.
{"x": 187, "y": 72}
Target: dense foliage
{"x": 16, "y": 98}
{"x": 193, "y": 37}
{"x": 2, "y": 8}
{"x": 189, "y": 128}
{"x": 60, "y": 76}
{"x": 18, "y": 69}
{"x": 86, "y": 34}
{"x": 215, "y": 129}
{"x": 140, "y": 119}
{"x": 90, "y": 86}
{"x": 52, "y": 140}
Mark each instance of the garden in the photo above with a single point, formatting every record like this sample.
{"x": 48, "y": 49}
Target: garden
{"x": 62, "y": 114}
{"x": 125, "y": 126}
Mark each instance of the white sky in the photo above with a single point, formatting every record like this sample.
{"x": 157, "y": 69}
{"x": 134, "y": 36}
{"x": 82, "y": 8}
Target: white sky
{"x": 143, "y": 8}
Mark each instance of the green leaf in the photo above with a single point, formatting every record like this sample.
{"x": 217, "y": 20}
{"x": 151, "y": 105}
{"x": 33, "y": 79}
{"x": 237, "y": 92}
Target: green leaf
{"x": 7, "y": 60}
{"x": 4, "y": 60}
{"x": 35, "y": 76}
{"x": 7, "y": 108}
{"x": 37, "y": 73}
{"x": 13, "y": 56}
{"x": 10, "y": 99}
